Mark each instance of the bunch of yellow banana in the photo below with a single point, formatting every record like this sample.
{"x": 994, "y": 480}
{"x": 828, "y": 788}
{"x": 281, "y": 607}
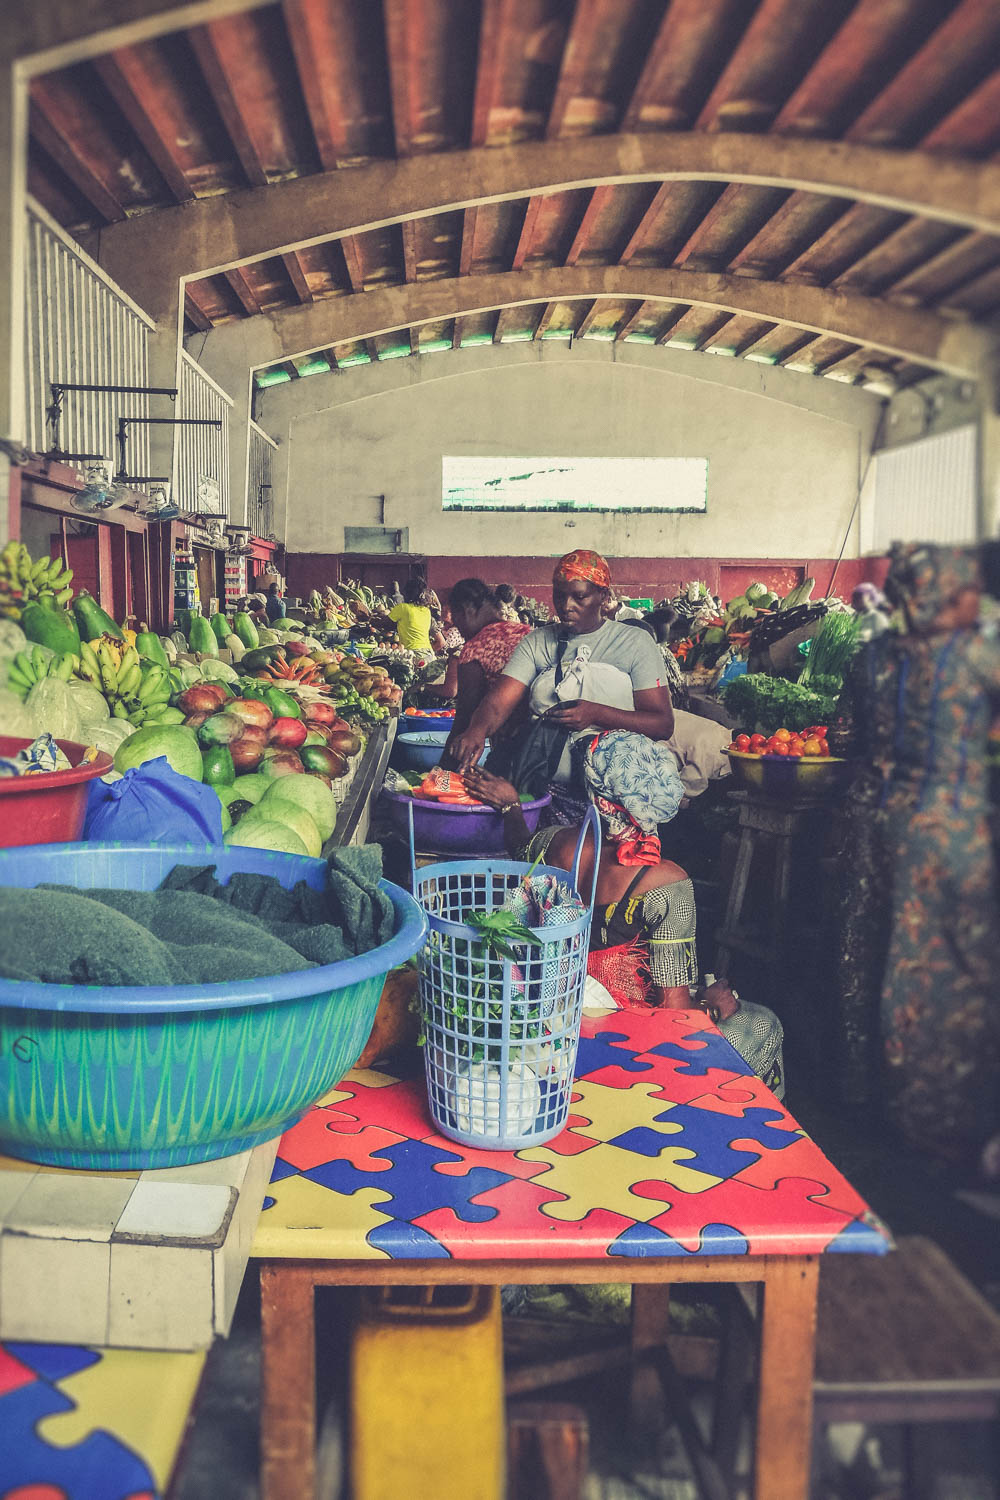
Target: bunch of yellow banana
{"x": 22, "y": 579}
{"x": 133, "y": 688}
{"x": 29, "y": 667}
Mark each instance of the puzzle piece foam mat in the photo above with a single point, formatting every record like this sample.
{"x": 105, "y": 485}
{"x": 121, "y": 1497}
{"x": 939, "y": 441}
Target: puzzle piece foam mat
{"x": 672, "y": 1148}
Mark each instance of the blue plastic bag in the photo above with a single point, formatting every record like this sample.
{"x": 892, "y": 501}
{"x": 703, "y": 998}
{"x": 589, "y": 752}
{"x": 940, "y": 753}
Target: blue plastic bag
{"x": 153, "y": 804}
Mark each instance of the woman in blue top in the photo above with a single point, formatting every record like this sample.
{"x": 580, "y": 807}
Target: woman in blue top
{"x": 598, "y": 706}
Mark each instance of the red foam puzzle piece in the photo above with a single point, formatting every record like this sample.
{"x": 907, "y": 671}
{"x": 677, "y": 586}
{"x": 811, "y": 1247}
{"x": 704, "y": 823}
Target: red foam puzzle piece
{"x": 792, "y": 1218}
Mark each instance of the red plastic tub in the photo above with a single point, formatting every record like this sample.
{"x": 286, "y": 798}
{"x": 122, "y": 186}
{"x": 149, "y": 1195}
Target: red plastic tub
{"x": 49, "y": 808}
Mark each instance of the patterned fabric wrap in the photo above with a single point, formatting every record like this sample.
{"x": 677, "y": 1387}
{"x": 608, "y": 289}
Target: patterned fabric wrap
{"x": 590, "y": 566}
{"x": 918, "y": 904}
{"x": 634, "y": 784}
{"x": 493, "y": 646}
{"x": 546, "y": 901}
{"x": 923, "y": 579}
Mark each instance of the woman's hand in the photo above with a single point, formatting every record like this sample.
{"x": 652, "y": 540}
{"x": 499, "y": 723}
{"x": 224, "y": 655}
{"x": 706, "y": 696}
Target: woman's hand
{"x": 492, "y": 790}
{"x": 576, "y": 714}
{"x": 721, "y": 999}
{"x": 465, "y": 749}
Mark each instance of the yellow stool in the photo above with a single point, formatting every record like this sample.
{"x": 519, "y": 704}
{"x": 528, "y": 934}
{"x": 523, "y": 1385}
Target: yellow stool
{"x": 427, "y": 1394}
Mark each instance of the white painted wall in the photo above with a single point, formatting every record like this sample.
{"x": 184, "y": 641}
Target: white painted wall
{"x": 784, "y": 450}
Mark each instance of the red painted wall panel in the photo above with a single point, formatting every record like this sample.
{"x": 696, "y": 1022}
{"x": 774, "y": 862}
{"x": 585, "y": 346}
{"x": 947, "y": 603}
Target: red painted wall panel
{"x": 635, "y": 578}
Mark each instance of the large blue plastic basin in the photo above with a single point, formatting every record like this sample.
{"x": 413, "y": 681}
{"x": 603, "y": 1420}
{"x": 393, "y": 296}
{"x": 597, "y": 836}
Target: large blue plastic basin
{"x": 144, "y": 1076}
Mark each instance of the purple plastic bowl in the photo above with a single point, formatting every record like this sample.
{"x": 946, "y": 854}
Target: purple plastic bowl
{"x": 452, "y": 829}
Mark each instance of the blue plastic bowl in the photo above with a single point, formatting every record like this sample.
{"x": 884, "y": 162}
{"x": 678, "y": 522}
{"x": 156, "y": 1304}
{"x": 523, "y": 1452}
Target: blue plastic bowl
{"x": 421, "y": 749}
{"x": 414, "y": 725}
{"x": 145, "y": 1076}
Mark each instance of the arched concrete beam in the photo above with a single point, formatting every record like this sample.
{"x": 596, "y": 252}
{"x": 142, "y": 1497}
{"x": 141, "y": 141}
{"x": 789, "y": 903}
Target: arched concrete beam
{"x": 899, "y": 331}
{"x": 214, "y": 234}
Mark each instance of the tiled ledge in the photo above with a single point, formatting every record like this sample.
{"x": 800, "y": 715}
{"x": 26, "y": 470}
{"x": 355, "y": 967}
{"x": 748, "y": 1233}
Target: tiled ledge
{"x": 140, "y": 1260}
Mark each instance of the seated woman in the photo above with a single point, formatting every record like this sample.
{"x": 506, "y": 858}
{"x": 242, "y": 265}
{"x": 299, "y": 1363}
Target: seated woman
{"x": 489, "y": 640}
{"x": 642, "y": 939}
{"x": 598, "y": 705}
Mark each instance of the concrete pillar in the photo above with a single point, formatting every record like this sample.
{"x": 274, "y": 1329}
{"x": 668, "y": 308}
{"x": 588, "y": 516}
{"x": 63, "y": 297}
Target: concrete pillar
{"x": 989, "y": 447}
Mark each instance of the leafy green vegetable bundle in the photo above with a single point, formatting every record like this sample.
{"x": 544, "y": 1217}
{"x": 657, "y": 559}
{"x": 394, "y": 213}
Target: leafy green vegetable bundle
{"x": 763, "y": 704}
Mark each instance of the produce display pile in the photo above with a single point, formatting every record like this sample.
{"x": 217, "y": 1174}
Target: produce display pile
{"x": 239, "y": 707}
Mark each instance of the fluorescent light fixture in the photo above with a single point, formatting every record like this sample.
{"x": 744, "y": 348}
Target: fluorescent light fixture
{"x": 273, "y": 377}
{"x": 314, "y": 367}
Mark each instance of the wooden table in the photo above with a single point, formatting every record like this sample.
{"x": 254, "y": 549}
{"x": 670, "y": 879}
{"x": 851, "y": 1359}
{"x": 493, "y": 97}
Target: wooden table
{"x": 91, "y": 1424}
{"x": 677, "y": 1165}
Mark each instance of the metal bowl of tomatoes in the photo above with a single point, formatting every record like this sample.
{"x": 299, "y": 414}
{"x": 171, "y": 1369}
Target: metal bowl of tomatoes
{"x": 788, "y": 763}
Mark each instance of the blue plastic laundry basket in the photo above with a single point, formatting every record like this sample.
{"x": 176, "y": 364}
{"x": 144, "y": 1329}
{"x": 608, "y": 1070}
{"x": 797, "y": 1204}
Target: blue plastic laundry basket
{"x": 500, "y": 1034}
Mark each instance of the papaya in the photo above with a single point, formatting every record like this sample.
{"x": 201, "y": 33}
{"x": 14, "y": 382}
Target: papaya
{"x": 245, "y": 628}
{"x": 201, "y": 637}
{"x": 217, "y": 766}
{"x": 149, "y": 645}
{"x": 91, "y": 620}
{"x": 220, "y": 626}
{"x": 281, "y": 704}
{"x": 45, "y": 623}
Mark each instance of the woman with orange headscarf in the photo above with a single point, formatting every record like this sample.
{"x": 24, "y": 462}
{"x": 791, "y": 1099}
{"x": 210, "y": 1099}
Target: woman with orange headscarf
{"x": 598, "y": 706}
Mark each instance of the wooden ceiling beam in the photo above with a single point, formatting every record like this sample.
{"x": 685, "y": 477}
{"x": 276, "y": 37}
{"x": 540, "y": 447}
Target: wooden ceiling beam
{"x": 194, "y": 311}
{"x": 632, "y": 323}
{"x": 671, "y": 319}
{"x": 468, "y": 250}
{"x": 576, "y": 52}
{"x": 598, "y": 202}
{"x": 493, "y": 16}
{"x": 352, "y": 260}
{"x": 901, "y": 332}
{"x": 55, "y": 137}
{"x": 548, "y": 313}
{"x": 217, "y": 78}
{"x": 402, "y": 63}
{"x": 646, "y": 224}
{"x": 314, "y": 29}
{"x": 124, "y": 78}
{"x": 588, "y": 319}
{"x": 211, "y": 234}
{"x": 245, "y": 294}
{"x": 532, "y": 209}
{"x": 297, "y": 276}
{"x": 409, "y": 228}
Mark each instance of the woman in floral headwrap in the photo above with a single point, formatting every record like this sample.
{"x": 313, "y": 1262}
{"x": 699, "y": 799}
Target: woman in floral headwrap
{"x": 598, "y": 707}
{"x": 919, "y": 912}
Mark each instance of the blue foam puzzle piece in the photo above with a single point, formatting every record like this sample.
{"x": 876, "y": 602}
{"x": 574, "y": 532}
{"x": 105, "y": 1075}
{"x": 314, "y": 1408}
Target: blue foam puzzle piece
{"x": 52, "y": 1361}
{"x": 710, "y": 1136}
{"x": 414, "y": 1186}
{"x": 405, "y": 1241}
{"x": 98, "y": 1468}
{"x": 597, "y": 1052}
{"x": 644, "y": 1240}
{"x": 715, "y": 1053}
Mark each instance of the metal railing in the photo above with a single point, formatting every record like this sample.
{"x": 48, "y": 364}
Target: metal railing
{"x": 201, "y": 466}
{"x": 80, "y": 329}
{"x": 260, "y": 501}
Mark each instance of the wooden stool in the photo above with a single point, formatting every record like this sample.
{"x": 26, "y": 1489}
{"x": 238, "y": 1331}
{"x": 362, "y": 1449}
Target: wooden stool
{"x": 904, "y": 1338}
{"x": 548, "y": 1448}
{"x": 763, "y": 822}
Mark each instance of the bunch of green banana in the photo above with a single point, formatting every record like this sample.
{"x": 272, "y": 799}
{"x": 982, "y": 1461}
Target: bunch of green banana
{"x": 29, "y": 667}
{"x": 134, "y": 689}
{"x": 22, "y": 579}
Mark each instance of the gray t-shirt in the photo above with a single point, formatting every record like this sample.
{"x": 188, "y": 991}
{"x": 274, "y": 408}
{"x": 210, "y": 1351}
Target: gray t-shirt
{"x": 631, "y": 651}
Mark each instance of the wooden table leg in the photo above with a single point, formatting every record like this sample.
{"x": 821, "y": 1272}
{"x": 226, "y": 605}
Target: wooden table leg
{"x": 650, "y": 1328}
{"x": 287, "y": 1383}
{"x": 787, "y": 1348}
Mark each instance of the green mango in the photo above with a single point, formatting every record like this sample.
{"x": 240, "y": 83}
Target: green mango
{"x": 261, "y": 657}
{"x": 202, "y": 638}
{"x": 245, "y": 628}
{"x": 149, "y": 645}
{"x": 281, "y": 705}
{"x": 45, "y": 623}
{"x": 217, "y": 766}
{"x": 92, "y": 621}
{"x": 220, "y": 625}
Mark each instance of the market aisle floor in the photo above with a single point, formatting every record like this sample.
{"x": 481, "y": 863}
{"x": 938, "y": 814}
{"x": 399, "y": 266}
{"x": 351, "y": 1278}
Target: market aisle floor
{"x": 953, "y": 1462}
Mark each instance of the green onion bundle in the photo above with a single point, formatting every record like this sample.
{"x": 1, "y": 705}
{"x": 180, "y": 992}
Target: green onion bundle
{"x": 831, "y": 648}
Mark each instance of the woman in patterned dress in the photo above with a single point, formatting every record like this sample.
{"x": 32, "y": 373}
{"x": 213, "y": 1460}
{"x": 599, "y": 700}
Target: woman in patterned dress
{"x": 920, "y": 912}
{"x": 489, "y": 642}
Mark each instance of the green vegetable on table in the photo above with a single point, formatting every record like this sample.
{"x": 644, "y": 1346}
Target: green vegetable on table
{"x": 763, "y": 704}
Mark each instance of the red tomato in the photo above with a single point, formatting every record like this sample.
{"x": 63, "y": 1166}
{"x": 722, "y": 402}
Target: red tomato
{"x": 780, "y": 749}
{"x": 756, "y": 740}
{"x": 742, "y": 742}
{"x": 795, "y": 751}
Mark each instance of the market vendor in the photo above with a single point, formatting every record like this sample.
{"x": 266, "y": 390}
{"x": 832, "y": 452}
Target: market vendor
{"x": 642, "y": 938}
{"x": 490, "y": 639}
{"x": 598, "y": 707}
{"x": 412, "y": 619}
